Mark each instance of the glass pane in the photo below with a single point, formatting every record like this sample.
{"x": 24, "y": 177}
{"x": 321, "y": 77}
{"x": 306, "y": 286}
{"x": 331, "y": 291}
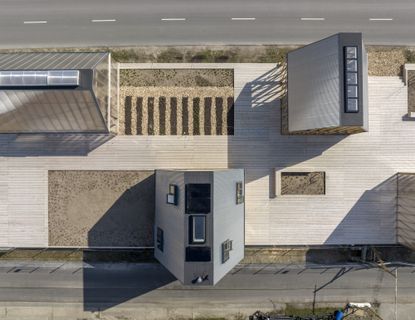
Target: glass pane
{"x": 352, "y": 105}
{"x": 199, "y": 229}
{"x": 352, "y": 91}
{"x": 351, "y": 52}
{"x": 351, "y": 78}
{"x": 352, "y": 65}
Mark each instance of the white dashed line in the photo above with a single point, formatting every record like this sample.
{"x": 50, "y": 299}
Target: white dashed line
{"x": 173, "y": 19}
{"x": 312, "y": 19}
{"x": 380, "y": 19}
{"x": 103, "y": 20}
{"x": 35, "y": 22}
{"x": 243, "y": 19}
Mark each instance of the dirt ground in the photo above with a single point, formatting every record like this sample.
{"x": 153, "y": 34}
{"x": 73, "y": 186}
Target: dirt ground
{"x": 177, "y": 77}
{"x": 101, "y": 208}
{"x": 302, "y": 183}
{"x": 176, "y": 102}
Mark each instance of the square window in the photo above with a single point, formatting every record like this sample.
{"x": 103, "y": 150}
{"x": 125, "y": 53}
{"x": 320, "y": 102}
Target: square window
{"x": 198, "y": 198}
{"x": 239, "y": 193}
{"x": 197, "y": 229}
{"x": 352, "y": 105}
{"x": 160, "y": 239}
{"x": 351, "y": 78}
{"x": 351, "y": 52}
{"x": 352, "y": 91}
{"x": 351, "y": 65}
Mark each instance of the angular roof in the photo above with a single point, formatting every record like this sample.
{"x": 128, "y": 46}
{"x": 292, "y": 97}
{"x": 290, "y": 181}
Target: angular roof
{"x": 51, "y": 61}
{"x": 34, "y": 108}
{"x": 43, "y": 111}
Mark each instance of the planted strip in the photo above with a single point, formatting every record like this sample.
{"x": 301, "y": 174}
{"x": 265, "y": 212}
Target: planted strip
{"x": 128, "y": 115}
{"x": 196, "y": 116}
{"x": 208, "y": 111}
{"x": 150, "y": 111}
{"x": 139, "y": 111}
{"x": 230, "y": 116}
{"x": 185, "y": 114}
{"x": 162, "y": 115}
{"x": 173, "y": 116}
{"x": 219, "y": 113}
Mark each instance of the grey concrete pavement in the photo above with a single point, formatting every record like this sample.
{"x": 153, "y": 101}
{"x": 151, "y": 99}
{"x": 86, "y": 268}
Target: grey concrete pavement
{"x": 40, "y": 23}
{"x": 105, "y": 286}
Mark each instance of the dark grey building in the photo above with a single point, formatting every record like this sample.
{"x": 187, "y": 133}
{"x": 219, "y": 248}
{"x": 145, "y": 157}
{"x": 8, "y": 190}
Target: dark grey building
{"x": 327, "y": 86}
{"x": 199, "y": 223}
{"x": 55, "y": 92}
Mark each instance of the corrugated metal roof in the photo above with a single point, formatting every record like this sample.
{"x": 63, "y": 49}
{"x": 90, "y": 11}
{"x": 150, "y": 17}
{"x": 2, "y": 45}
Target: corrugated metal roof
{"x": 50, "y": 60}
{"x": 34, "y": 111}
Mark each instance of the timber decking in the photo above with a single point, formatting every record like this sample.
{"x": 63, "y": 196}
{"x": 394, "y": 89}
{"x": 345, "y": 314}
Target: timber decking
{"x": 359, "y": 205}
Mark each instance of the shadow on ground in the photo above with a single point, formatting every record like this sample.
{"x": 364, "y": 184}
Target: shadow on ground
{"x": 376, "y": 208}
{"x": 42, "y": 145}
{"x": 127, "y": 224}
{"x": 257, "y": 143}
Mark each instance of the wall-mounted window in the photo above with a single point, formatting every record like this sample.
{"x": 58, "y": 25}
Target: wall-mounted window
{"x": 198, "y": 198}
{"x": 198, "y": 254}
{"x": 197, "y": 229}
{"x": 160, "y": 239}
{"x": 239, "y": 193}
{"x": 226, "y": 249}
{"x": 172, "y": 195}
{"x": 351, "y": 77}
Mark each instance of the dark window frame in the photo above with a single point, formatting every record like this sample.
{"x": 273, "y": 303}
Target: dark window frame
{"x": 191, "y": 226}
{"x": 160, "y": 239}
{"x": 188, "y": 203}
{"x": 173, "y": 193}
{"x": 227, "y": 247}
{"x": 346, "y": 85}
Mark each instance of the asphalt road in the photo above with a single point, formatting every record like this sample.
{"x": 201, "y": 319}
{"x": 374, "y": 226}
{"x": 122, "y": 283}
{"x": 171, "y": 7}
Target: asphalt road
{"x": 104, "y": 286}
{"x": 48, "y": 23}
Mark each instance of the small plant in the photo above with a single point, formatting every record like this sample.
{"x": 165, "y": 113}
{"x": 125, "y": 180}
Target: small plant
{"x": 170, "y": 55}
{"x": 409, "y": 55}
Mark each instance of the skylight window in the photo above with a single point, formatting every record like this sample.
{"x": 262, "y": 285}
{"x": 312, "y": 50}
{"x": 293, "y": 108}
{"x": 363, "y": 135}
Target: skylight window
{"x": 42, "y": 78}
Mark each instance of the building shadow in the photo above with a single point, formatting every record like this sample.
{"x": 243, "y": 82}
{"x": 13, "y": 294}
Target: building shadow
{"x": 128, "y": 224}
{"x": 373, "y": 212}
{"x": 49, "y": 144}
{"x": 258, "y": 144}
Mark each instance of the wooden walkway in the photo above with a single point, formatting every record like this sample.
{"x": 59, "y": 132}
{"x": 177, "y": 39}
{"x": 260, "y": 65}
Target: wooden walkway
{"x": 358, "y": 207}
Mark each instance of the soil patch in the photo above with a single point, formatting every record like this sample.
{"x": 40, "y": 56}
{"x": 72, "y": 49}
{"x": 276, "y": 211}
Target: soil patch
{"x": 302, "y": 183}
{"x": 101, "y": 208}
{"x": 176, "y": 77}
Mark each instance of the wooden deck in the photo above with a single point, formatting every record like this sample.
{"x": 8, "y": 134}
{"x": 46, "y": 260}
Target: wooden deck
{"x": 358, "y": 206}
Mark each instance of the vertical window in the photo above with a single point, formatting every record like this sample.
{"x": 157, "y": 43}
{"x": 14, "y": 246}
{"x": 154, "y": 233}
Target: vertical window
{"x": 160, "y": 239}
{"x": 197, "y": 229}
{"x": 226, "y": 248}
{"x": 351, "y": 80}
{"x": 239, "y": 193}
{"x": 172, "y": 195}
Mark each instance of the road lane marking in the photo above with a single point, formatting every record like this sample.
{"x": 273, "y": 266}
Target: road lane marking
{"x": 35, "y": 22}
{"x": 243, "y": 19}
{"x": 312, "y": 19}
{"x": 103, "y": 20}
{"x": 173, "y": 19}
{"x": 380, "y": 19}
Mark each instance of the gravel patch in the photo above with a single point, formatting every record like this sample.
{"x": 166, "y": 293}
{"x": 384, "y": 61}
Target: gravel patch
{"x": 177, "y": 77}
{"x": 101, "y": 208}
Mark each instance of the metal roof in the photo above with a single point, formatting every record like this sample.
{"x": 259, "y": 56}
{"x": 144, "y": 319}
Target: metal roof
{"x": 42, "y": 111}
{"x": 51, "y": 61}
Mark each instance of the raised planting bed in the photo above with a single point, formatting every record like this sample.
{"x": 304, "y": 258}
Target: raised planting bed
{"x": 177, "y": 102}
